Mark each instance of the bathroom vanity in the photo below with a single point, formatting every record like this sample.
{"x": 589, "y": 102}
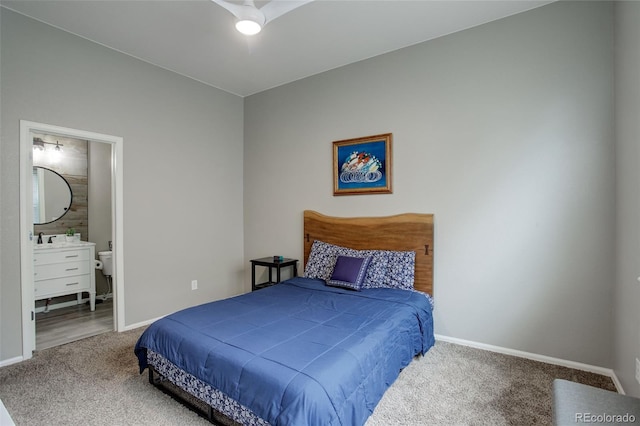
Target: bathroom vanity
{"x": 64, "y": 268}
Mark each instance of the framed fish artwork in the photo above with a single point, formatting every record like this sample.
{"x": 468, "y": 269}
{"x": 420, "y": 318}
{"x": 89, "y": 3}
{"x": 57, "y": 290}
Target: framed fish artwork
{"x": 362, "y": 165}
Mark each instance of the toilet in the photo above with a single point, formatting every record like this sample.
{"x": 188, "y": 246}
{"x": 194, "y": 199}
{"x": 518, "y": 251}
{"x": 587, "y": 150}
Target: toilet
{"x": 107, "y": 262}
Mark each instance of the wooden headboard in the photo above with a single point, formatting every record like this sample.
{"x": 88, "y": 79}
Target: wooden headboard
{"x": 408, "y": 231}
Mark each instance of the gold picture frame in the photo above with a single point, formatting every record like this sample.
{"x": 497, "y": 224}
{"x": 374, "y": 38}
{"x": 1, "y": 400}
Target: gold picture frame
{"x": 362, "y": 165}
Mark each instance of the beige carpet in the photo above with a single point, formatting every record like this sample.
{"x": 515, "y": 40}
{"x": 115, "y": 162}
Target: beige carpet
{"x": 95, "y": 381}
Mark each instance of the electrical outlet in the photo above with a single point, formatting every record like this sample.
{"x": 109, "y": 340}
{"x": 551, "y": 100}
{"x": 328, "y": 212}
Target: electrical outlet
{"x": 194, "y": 284}
{"x": 638, "y": 370}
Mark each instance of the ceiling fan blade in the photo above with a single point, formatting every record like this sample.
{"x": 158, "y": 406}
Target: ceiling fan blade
{"x": 235, "y": 9}
{"x": 276, "y": 8}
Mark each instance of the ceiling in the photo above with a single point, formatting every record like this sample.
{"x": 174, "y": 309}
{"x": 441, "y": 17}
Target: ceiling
{"x": 197, "y": 38}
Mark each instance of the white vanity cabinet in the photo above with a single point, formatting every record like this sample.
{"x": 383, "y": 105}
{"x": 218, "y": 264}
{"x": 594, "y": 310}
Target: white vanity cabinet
{"x": 65, "y": 269}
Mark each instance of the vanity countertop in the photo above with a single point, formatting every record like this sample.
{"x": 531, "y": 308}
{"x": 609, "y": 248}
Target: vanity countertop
{"x": 61, "y": 245}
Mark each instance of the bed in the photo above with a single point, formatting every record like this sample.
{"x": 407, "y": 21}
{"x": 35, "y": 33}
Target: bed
{"x": 317, "y": 349}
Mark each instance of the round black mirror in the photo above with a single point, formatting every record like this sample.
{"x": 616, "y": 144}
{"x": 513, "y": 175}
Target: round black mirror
{"x": 52, "y": 195}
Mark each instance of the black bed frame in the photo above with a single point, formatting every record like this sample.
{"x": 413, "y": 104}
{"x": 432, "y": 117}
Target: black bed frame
{"x": 196, "y": 405}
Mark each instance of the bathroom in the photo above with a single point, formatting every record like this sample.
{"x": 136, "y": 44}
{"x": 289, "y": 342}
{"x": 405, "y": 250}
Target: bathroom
{"x": 83, "y": 171}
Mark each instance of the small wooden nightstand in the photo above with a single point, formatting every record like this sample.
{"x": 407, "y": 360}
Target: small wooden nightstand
{"x": 268, "y": 262}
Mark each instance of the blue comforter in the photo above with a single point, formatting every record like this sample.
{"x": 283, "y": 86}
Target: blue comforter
{"x": 300, "y": 352}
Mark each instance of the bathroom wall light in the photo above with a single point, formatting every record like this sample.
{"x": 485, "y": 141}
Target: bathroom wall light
{"x": 39, "y": 144}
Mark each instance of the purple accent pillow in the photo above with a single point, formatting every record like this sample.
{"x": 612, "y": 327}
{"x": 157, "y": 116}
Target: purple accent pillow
{"x": 349, "y": 272}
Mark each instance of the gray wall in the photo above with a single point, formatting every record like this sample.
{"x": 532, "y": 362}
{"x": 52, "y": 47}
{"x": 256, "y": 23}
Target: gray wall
{"x": 626, "y": 306}
{"x": 505, "y": 133}
{"x": 182, "y": 167}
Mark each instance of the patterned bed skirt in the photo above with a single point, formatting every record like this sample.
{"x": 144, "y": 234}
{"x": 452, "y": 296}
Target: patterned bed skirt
{"x": 204, "y": 392}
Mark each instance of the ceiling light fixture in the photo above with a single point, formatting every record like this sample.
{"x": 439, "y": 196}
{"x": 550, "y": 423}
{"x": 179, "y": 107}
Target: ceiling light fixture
{"x": 250, "y": 20}
{"x": 248, "y": 27}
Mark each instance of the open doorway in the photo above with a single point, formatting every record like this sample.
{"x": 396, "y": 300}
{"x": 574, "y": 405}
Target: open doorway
{"x": 103, "y": 160}
{"x": 72, "y": 194}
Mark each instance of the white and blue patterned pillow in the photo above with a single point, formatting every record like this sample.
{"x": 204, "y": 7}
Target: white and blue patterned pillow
{"x": 377, "y": 268}
{"x": 321, "y": 260}
{"x": 394, "y": 269}
{"x": 401, "y": 268}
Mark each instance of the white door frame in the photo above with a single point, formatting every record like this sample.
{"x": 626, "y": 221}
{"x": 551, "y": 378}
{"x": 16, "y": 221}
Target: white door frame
{"x": 27, "y": 128}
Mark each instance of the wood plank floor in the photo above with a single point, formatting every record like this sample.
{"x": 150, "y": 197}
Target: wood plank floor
{"x": 65, "y": 325}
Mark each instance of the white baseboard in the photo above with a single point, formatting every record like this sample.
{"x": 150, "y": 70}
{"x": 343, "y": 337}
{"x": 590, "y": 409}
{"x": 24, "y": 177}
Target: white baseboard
{"x": 537, "y": 357}
{"x": 10, "y": 361}
{"x": 140, "y": 324}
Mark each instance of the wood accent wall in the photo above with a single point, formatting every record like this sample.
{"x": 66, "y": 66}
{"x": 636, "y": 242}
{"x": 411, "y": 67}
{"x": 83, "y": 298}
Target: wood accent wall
{"x": 72, "y": 165}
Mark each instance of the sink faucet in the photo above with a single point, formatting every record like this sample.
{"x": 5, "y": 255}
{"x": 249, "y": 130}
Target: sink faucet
{"x": 40, "y": 238}
{"x": 50, "y": 241}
